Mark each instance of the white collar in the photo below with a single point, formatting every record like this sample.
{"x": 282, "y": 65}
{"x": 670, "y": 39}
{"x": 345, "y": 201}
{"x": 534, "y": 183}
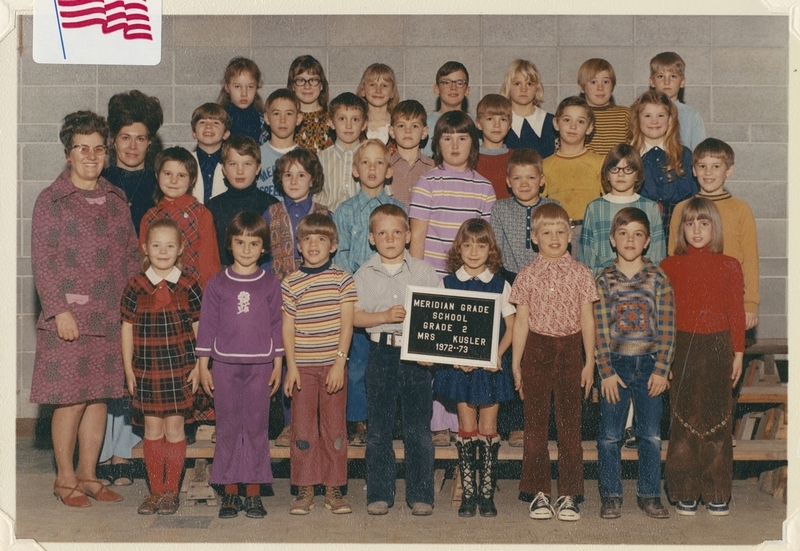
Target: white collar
{"x": 646, "y": 148}
{"x": 621, "y": 199}
{"x": 535, "y": 119}
{"x": 155, "y": 279}
{"x": 485, "y": 276}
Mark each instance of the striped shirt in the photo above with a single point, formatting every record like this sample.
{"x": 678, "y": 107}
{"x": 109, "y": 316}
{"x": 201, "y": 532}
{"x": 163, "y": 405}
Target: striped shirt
{"x": 610, "y": 128}
{"x": 594, "y": 247}
{"x": 337, "y": 166}
{"x": 634, "y": 316}
{"x": 313, "y": 297}
{"x": 444, "y": 199}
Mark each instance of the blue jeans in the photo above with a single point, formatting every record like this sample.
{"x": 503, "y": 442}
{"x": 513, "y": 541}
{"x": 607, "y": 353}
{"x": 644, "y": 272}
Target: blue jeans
{"x": 356, "y": 366}
{"x": 386, "y": 379}
{"x": 634, "y": 371}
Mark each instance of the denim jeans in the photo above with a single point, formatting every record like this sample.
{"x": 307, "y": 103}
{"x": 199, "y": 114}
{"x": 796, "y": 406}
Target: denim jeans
{"x": 386, "y": 379}
{"x": 634, "y": 371}
{"x": 356, "y": 366}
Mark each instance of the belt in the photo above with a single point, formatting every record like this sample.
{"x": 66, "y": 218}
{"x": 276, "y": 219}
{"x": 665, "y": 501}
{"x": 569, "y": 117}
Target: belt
{"x": 574, "y": 223}
{"x": 389, "y": 339}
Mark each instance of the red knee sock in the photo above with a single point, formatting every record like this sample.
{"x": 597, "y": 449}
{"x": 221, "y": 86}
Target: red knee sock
{"x": 251, "y": 490}
{"x": 232, "y": 489}
{"x": 154, "y": 463}
{"x": 174, "y": 456}
{"x": 464, "y": 434}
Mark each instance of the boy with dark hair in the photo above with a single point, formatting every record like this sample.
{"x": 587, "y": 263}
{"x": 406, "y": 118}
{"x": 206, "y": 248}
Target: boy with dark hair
{"x": 409, "y": 127}
{"x": 211, "y": 125}
{"x": 282, "y": 115}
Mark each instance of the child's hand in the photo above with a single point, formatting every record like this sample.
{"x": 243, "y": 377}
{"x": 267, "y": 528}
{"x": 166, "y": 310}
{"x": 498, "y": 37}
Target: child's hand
{"x": 194, "y": 377}
{"x": 425, "y": 364}
{"x": 517, "y": 373}
{"x": 334, "y": 382}
{"x": 395, "y": 314}
{"x": 66, "y": 326}
{"x": 656, "y": 384}
{"x": 207, "y": 381}
{"x": 292, "y": 381}
{"x": 130, "y": 380}
{"x": 750, "y": 319}
{"x": 610, "y": 390}
{"x": 466, "y": 368}
{"x": 738, "y": 357}
{"x": 275, "y": 380}
{"x": 587, "y": 380}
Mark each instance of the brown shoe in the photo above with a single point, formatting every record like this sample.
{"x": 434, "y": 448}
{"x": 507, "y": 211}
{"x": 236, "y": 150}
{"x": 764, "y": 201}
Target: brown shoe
{"x": 359, "y": 437}
{"x": 652, "y": 507}
{"x": 441, "y": 438}
{"x": 516, "y": 438}
{"x": 150, "y": 504}
{"x": 284, "y": 439}
{"x": 610, "y": 507}
{"x": 169, "y": 503}
{"x": 304, "y": 502}
{"x": 335, "y": 501}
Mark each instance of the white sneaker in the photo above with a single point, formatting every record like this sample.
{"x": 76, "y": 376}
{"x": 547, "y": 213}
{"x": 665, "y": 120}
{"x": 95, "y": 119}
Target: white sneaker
{"x": 567, "y": 509}
{"x": 540, "y": 508}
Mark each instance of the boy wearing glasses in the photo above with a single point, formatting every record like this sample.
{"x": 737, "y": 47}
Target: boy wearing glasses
{"x": 452, "y": 89}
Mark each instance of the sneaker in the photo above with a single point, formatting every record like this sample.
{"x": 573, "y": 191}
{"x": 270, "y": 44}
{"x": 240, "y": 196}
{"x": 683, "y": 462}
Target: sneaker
{"x": 630, "y": 439}
{"x": 567, "y": 509}
{"x": 230, "y": 506}
{"x": 540, "y": 508}
{"x": 168, "y": 504}
{"x": 335, "y": 501}
{"x": 686, "y": 508}
{"x": 359, "y": 436}
{"x": 610, "y": 507}
{"x": 284, "y": 439}
{"x": 516, "y": 438}
{"x": 420, "y": 509}
{"x": 718, "y": 509}
{"x": 652, "y": 507}
{"x": 378, "y": 508}
{"x": 253, "y": 508}
{"x": 304, "y": 502}
{"x": 150, "y": 504}
{"x": 441, "y": 438}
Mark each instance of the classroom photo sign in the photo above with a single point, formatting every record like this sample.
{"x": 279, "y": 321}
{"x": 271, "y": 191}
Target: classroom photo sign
{"x": 450, "y": 326}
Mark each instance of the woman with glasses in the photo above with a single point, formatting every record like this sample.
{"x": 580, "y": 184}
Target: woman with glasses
{"x": 622, "y": 176}
{"x": 83, "y": 251}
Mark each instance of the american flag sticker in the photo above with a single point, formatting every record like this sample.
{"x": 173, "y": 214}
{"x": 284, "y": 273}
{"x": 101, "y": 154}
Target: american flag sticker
{"x": 103, "y": 32}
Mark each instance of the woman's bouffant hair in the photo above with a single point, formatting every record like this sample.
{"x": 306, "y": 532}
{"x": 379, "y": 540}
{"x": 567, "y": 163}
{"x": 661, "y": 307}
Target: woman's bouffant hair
{"x": 127, "y": 108}
{"x": 456, "y": 122}
{"x": 378, "y": 71}
{"x": 249, "y": 224}
{"x": 236, "y": 67}
{"x": 161, "y": 224}
{"x": 672, "y": 139}
{"x": 176, "y": 153}
{"x": 700, "y": 208}
{"x": 83, "y": 123}
{"x": 309, "y": 63}
{"x": 480, "y": 231}
{"x": 307, "y": 159}
{"x": 622, "y": 152}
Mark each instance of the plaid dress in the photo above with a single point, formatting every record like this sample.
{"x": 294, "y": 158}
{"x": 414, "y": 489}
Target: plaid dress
{"x": 163, "y": 344}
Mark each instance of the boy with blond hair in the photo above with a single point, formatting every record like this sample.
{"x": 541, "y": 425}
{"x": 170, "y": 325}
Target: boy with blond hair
{"x": 211, "y": 125}
{"x": 494, "y": 122}
{"x": 282, "y": 115}
{"x": 596, "y": 81}
{"x": 348, "y": 119}
{"x": 712, "y": 165}
{"x": 668, "y": 76}
{"x": 554, "y": 296}
{"x": 409, "y": 127}
{"x": 381, "y": 283}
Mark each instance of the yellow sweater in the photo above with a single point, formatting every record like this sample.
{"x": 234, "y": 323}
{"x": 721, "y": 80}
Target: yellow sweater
{"x": 574, "y": 181}
{"x": 740, "y": 240}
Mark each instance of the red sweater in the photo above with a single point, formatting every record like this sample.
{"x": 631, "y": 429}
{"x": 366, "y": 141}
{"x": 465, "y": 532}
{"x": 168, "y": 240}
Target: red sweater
{"x": 493, "y": 168}
{"x": 708, "y": 291}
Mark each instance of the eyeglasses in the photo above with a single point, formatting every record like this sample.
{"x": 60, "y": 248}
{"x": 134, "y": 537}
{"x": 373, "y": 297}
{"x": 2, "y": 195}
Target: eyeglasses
{"x": 84, "y": 149}
{"x": 446, "y": 83}
{"x": 313, "y": 81}
{"x": 626, "y": 169}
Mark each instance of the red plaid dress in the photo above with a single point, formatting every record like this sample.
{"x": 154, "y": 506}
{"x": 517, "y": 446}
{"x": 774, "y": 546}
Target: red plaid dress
{"x": 163, "y": 344}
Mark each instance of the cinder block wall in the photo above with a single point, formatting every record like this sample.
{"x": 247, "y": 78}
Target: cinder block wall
{"x": 737, "y": 75}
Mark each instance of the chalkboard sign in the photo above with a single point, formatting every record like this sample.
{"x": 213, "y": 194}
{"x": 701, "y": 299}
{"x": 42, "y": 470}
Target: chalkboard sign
{"x": 450, "y": 326}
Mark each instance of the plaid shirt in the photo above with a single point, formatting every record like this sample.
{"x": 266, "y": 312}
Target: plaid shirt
{"x": 634, "y": 316}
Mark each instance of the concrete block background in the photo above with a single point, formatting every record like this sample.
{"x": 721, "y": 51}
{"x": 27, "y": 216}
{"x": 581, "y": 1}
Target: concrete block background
{"x": 737, "y": 77}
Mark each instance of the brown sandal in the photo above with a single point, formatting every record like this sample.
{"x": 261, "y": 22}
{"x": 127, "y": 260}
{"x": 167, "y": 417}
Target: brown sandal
{"x": 69, "y": 500}
{"x": 102, "y": 494}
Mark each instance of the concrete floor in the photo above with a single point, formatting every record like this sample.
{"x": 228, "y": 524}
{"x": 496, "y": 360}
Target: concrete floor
{"x": 755, "y": 517}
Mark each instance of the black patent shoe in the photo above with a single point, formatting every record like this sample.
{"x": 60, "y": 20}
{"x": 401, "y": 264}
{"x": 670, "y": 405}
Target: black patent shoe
{"x": 468, "y": 507}
{"x": 486, "y": 507}
{"x": 253, "y": 507}
{"x": 230, "y": 507}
